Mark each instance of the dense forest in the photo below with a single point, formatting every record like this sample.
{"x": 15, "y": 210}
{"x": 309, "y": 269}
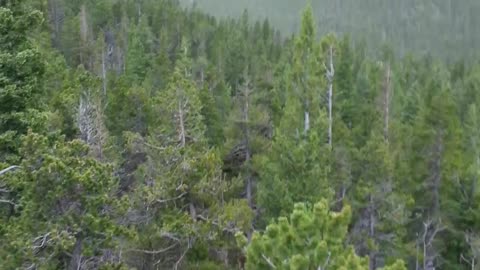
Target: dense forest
{"x": 447, "y": 29}
{"x": 143, "y": 134}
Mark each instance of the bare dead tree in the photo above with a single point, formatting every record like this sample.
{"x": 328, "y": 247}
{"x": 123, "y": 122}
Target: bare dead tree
{"x": 182, "y": 107}
{"x": 431, "y": 229}
{"x": 330, "y": 73}
{"x": 91, "y": 123}
{"x": 473, "y": 241}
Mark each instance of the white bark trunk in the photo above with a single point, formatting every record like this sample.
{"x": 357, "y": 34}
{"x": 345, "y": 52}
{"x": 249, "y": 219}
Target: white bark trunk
{"x": 104, "y": 74}
{"x": 430, "y": 253}
{"x": 330, "y": 117}
{"x": 182, "y": 124}
{"x": 76, "y": 259}
{"x": 11, "y": 168}
{"x": 307, "y": 122}
{"x": 386, "y": 104}
{"x": 330, "y": 74}
{"x": 437, "y": 173}
{"x": 193, "y": 211}
{"x": 246, "y": 134}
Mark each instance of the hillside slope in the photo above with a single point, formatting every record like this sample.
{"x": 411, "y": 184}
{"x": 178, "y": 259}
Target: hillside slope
{"x": 440, "y": 27}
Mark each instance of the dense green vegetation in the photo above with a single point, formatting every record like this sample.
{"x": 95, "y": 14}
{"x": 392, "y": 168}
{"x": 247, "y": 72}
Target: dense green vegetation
{"x": 447, "y": 29}
{"x": 141, "y": 135}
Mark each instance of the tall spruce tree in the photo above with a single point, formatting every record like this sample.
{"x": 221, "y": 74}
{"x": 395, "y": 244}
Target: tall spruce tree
{"x": 297, "y": 165}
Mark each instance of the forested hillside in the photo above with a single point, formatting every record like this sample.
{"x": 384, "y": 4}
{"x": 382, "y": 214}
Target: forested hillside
{"x": 143, "y": 135}
{"x": 447, "y": 29}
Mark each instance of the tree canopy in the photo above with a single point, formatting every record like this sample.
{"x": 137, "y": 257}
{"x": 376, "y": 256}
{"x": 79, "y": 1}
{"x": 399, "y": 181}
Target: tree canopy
{"x": 146, "y": 135}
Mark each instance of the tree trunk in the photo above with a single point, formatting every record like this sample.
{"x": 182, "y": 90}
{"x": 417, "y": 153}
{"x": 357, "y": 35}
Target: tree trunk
{"x": 246, "y": 136}
{"x": 330, "y": 75}
{"x": 386, "y": 103}
{"x": 193, "y": 211}
{"x": 104, "y": 74}
{"x": 76, "y": 259}
{"x": 181, "y": 124}
{"x": 57, "y": 16}
{"x": 306, "y": 125}
{"x": 330, "y": 117}
{"x": 83, "y": 34}
{"x": 371, "y": 223}
{"x": 436, "y": 173}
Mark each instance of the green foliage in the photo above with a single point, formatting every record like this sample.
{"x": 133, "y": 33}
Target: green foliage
{"x": 138, "y": 61}
{"x": 211, "y": 118}
{"x": 64, "y": 201}
{"x": 436, "y": 30}
{"x": 129, "y": 108}
{"x": 311, "y": 238}
{"x": 21, "y": 70}
{"x": 297, "y": 165}
{"x": 196, "y": 127}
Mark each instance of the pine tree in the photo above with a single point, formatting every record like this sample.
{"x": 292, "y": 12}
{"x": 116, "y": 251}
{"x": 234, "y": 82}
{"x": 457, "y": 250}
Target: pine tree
{"x": 211, "y": 118}
{"x": 297, "y": 165}
{"x": 434, "y": 161}
{"x": 129, "y": 108}
{"x": 311, "y": 238}
{"x": 379, "y": 203}
{"x": 183, "y": 175}
{"x": 137, "y": 56}
{"x": 395, "y": 139}
{"x": 21, "y": 71}
{"x": 64, "y": 203}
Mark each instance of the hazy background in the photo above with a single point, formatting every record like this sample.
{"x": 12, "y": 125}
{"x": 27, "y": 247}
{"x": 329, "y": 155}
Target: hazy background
{"x": 446, "y": 28}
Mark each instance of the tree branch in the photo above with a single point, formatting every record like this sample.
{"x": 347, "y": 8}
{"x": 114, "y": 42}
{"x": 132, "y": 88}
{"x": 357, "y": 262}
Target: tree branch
{"x": 233, "y": 230}
{"x": 44, "y": 240}
{"x": 183, "y": 254}
{"x": 154, "y": 252}
{"x": 171, "y": 199}
{"x": 170, "y": 236}
{"x": 13, "y": 167}
{"x": 154, "y": 146}
{"x": 464, "y": 259}
{"x": 269, "y": 261}
{"x": 327, "y": 261}
{"x": 7, "y": 202}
